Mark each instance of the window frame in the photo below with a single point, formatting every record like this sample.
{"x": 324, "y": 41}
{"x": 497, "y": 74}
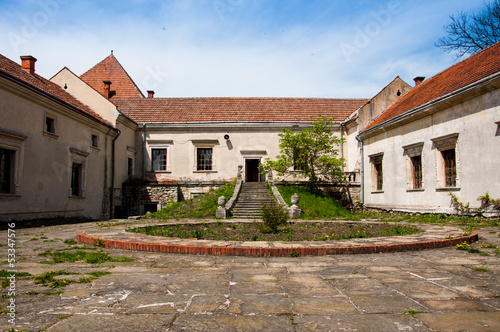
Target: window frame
{"x": 412, "y": 152}
{"x": 205, "y": 144}
{"x": 52, "y": 133}
{"x": 377, "y": 172}
{"x": 205, "y": 165}
{"x": 443, "y": 145}
{"x": 156, "y": 145}
{"x": 15, "y": 143}
{"x": 77, "y": 157}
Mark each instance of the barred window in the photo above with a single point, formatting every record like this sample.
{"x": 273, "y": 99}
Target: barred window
{"x": 379, "y": 176}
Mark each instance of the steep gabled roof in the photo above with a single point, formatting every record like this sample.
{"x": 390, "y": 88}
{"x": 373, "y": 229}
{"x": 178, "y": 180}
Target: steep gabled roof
{"x": 109, "y": 69}
{"x": 206, "y": 110}
{"x": 45, "y": 87}
{"x": 460, "y": 75}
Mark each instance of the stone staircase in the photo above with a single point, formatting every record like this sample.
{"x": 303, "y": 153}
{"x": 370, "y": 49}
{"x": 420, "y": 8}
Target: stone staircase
{"x": 252, "y": 196}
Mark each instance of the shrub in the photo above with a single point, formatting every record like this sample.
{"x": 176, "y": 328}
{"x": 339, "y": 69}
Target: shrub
{"x": 273, "y": 216}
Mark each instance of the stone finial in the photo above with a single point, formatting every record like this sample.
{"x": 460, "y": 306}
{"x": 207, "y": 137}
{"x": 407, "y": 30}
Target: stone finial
{"x": 221, "y": 210}
{"x": 294, "y": 209}
{"x": 240, "y": 167}
{"x": 295, "y": 199}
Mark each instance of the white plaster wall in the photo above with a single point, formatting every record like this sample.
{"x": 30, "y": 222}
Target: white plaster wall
{"x": 87, "y": 95}
{"x": 244, "y": 143}
{"x": 46, "y": 161}
{"x": 478, "y": 151}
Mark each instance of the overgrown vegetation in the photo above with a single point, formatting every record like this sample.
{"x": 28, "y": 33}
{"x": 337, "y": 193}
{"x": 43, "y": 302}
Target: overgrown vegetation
{"x": 204, "y": 206}
{"x": 300, "y": 231}
{"x": 273, "y": 217}
{"x": 315, "y": 205}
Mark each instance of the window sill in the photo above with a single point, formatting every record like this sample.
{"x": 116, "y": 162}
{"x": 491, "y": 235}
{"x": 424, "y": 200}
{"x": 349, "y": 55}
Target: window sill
{"x": 76, "y": 197}
{"x": 95, "y": 148}
{"x": 378, "y": 192}
{"x": 415, "y": 190}
{"x": 204, "y": 171}
{"x": 4, "y": 195}
{"x": 160, "y": 172}
{"x": 51, "y": 135}
{"x": 448, "y": 189}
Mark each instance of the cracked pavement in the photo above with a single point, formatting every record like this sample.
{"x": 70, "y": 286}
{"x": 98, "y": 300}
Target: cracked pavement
{"x": 431, "y": 290}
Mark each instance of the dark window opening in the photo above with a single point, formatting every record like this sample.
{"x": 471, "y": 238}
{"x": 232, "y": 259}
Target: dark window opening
{"x": 204, "y": 159}
{"x": 50, "y": 125}
{"x": 379, "y": 176}
{"x": 95, "y": 141}
{"x": 6, "y": 170}
{"x": 150, "y": 208}
{"x": 130, "y": 167}
{"x": 76, "y": 179}
{"x": 159, "y": 159}
{"x": 450, "y": 168}
{"x": 417, "y": 171}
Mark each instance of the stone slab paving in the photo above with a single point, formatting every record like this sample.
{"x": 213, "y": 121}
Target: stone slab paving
{"x": 428, "y": 290}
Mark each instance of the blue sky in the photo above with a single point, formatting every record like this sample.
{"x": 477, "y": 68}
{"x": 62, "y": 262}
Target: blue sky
{"x": 237, "y": 48}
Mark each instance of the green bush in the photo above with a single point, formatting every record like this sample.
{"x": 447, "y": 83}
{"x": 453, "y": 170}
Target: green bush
{"x": 273, "y": 216}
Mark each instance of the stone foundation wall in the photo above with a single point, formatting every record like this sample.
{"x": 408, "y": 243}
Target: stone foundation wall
{"x": 140, "y": 198}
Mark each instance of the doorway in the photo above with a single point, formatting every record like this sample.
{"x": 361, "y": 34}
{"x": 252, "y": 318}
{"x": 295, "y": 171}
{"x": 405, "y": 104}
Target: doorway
{"x": 252, "y": 173}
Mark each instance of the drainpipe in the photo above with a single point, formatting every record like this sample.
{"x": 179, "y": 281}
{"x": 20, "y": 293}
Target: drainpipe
{"x": 362, "y": 171}
{"x": 112, "y": 194}
{"x": 143, "y": 152}
{"x": 342, "y": 144}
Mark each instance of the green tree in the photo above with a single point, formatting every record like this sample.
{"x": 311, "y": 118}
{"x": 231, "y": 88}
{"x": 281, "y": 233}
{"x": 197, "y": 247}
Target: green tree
{"x": 469, "y": 34}
{"x": 313, "y": 152}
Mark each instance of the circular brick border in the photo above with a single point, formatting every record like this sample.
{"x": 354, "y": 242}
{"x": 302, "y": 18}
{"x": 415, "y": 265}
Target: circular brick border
{"x": 229, "y": 249}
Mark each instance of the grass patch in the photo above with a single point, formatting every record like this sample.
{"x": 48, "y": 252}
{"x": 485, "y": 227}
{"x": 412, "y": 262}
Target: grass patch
{"x": 70, "y": 242}
{"x": 82, "y": 256}
{"x": 314, "y": 206}
{"x": 481, "y": 269}
{"x": 47, "y": 279}
{"x": 466, "y": 247}
{"x": 203, "y": 206}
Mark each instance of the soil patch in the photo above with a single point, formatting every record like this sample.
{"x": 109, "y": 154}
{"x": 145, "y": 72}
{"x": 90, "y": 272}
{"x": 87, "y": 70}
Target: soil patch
{"x": 303, "y": 231}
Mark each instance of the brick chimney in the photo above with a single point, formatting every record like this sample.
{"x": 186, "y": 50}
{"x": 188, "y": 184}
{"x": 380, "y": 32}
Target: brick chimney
{"x": 418, "y": 80}
{"x": 151, "y": 94}
{"x": 106, "y": 89}
{"x": 28, "y": 63}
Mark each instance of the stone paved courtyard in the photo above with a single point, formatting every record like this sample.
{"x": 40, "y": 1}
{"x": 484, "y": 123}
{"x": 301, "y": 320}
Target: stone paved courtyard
{"x": 430, "y": 290}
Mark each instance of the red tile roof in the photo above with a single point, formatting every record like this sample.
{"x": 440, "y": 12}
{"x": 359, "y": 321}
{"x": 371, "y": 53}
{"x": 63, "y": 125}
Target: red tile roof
{"x": 46, "y": 87}
{"x": 109, "y": 69}
{"x": 189, "y": 110}
{"x": 464, "y": 73}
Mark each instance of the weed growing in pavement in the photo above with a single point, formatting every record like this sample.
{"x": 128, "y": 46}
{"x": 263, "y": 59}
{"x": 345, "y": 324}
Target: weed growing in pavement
{"x": 70, "y": 242}
{"x": 412, "y": 312}
{"x": 84, "y": 256}
{"x": 481, "y": 269}
{"x": 466, "y": 247}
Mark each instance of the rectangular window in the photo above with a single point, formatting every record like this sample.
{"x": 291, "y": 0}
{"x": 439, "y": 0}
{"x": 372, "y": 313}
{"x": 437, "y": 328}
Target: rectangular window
{"x": 416, "y": 164}
{"x": 50, "y": 125}
{"x": 76, "y": 179}
{"x": 159, "y": 159}
{"x": 130, "y": 167}
{"x": 6, "y": 170}
{"x": 379, "y": 176}
{"x": 95, "y": 141}
{"x": 450, "y": 167}
{"x": 204, "y": 159}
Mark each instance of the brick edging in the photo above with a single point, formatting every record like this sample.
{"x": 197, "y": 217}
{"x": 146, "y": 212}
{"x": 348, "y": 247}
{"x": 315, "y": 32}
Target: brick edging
{"x": 272, "y": 251}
